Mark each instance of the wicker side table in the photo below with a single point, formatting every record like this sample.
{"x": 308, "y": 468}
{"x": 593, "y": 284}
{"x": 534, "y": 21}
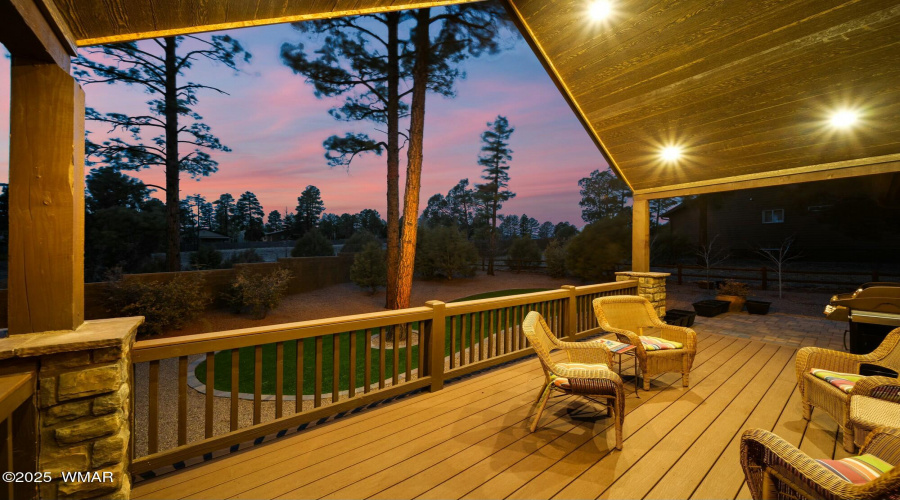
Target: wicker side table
{"x": 868, "y": 413}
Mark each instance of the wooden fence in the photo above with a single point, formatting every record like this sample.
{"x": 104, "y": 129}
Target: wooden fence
{"x": 766, "y": 276}
{"x": 366, "y": 358}
{"x": 17, "y": 432}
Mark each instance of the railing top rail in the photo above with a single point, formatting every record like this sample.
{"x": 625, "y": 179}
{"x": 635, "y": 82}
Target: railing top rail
{"x": 15, "y": 389}
{"x": 605, "y": 287}
{"x": 155, "y": 349}
{"x": 478, "y": 305}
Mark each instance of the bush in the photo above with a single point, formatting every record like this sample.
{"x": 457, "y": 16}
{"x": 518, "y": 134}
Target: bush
{"x": 313, "y": 244}
{"x": 165, "y": 305}
{"x": 256, "y": 293}
{"x": 358, "y": 241}
{"x": 523, "y": 254}
{"x": 248, "y": 256}
{"x": 593, "y": 254}
{"x": 369, "y": 268}
{"x": 444, "y": 252}
{"x": 555, "y": 256}
{"x": 206, "y": 258}
{"x": 735, "y": 288}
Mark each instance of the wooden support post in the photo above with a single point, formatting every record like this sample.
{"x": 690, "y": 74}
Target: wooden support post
{"x": 46, "y": 199}
{"x": 640, "y": 235}
{"x": 570, "y": 312}
{"x": 436, "y": 344}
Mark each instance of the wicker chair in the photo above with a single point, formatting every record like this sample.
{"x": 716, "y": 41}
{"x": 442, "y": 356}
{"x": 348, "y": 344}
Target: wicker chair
{"x": 835, "y": 402}
{"x": 590, "y": 377}
{"x": 628, "y": 316}
{"x": 777, "y": 470}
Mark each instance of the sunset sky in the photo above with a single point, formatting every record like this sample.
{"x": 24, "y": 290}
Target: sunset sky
{"x": 275, "y": 127}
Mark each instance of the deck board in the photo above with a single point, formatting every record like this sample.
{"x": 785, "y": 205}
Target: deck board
{"x": 471, "y": 440}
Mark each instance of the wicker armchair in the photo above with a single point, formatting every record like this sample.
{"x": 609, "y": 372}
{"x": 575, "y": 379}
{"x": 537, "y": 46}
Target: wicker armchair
{"x": 866, "y": 415}
{"x": 630, "y": 317}
{"x": 777, "y": 470}
{"x": 835, "y": 402}
{"x": 587, "y": 372}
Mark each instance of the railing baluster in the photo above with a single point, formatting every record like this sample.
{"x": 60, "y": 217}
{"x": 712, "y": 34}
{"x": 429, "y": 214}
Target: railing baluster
{"x": 420, "y": 345}
{"x": 382, "y": 345}
{"x": 482, "y": 345}
{"x": 490, "y": 334}
{"x": 235, "y": 387}
{"x": 182, "y": 399}
{"x": 298, "y": 384}
{"x": 408, "y": 344}
{"x": 153, "y": 420}
{"x": 367, "y": 368}
{"x": 395, "y": 353}
{"x": 317, "y": 396}
{"x": 279, "y": 378}
{"x": 351, "y": 387}
{"x": 471, "y": 338}
{"x": 463, "y": 321}
{"x": 452, "y": 342}
{"x": 507, "y": 337}
{"x": 335, "y": 367}
{"x": 257, "y": 384}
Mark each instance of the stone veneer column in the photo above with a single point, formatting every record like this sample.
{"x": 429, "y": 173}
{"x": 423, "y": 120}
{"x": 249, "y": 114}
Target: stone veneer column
{"x": 651, "y": 286}
{"x": 84, "y": 404}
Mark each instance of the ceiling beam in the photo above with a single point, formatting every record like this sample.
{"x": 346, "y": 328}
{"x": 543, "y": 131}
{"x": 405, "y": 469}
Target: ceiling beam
{"x": 838, "y": 170}
{"x": 247, "y": 23}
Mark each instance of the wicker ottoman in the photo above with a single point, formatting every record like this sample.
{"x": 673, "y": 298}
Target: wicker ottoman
{"x": 868, "y": 413}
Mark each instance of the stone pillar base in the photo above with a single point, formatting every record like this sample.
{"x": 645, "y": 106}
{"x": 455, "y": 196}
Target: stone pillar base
{"x": 84, "y": 406}
{"x": 651, "y": 286}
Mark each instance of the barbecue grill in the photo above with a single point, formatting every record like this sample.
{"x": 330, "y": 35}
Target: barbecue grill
{"x": 872, "y": 311}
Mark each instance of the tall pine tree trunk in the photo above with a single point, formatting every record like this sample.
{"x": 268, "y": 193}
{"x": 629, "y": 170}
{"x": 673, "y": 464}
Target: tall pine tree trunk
{"x": 393, "y": 161}
{"x": 414, "y": 159}
{"x": 173, "y": 227}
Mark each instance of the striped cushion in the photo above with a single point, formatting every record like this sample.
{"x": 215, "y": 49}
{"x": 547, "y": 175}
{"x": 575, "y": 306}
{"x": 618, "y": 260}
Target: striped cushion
{"x": 658, "y": 344}
{"x": 617, "y": 347}
{"x": 843, "y": 381}
{"x": 858, "y": 470}
{"x": 562, "y": 382}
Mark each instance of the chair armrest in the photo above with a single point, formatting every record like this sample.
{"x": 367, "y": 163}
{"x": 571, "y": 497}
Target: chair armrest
{"x": 763, "y": 452}
{"x": 885, "y": 388}
{"x": 884, "y": 443}
{"x": 587, "y": 352}
{"x": 817, "y": 357}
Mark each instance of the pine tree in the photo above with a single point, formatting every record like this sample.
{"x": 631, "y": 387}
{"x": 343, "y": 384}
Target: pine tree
{"x": 274, "y": 222}
{"x": 309, "y": 209}
{"x": 603, "y": 195}
{"x": 224, "y": 214}
{"x": 495, "y": 157}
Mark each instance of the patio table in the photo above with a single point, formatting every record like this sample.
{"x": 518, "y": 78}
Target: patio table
{"x": 621, "y": 349}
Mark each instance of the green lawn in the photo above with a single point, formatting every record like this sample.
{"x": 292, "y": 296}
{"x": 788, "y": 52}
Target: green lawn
{"x": 246, "y": 358}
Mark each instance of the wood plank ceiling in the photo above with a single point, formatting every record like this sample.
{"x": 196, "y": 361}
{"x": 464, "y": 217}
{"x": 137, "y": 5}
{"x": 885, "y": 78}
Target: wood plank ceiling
{"x": 744, "y": 88}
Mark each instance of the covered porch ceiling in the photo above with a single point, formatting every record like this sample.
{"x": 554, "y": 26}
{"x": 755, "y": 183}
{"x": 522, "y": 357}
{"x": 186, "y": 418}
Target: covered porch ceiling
{"x": 744, "y": 89}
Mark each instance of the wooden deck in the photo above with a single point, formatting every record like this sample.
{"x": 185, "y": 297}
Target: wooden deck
{"x": 471, "y": 440}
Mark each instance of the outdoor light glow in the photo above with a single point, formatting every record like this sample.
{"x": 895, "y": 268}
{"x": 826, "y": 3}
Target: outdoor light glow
{"x": 844, "y": 118}
{"x": 671, "y": 153}
{"x": 600, "y": 9}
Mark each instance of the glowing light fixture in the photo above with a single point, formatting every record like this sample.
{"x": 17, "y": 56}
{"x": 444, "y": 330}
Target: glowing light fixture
{"x": 600, "y": 9}
{"x": 845, "y": 118}
{"x": 670, "y": 153}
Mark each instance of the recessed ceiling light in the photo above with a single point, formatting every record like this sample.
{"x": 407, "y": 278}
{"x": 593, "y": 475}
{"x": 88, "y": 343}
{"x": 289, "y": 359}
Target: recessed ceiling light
{"x": 600, "y": 9}
{"x": 844, "y": 118}
{"x": 671, "y": 153}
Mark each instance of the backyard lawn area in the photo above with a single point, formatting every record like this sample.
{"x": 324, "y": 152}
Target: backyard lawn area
{"x": 246, "y": 358}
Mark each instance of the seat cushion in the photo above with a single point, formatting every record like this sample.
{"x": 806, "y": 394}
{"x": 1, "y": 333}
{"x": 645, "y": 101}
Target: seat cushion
{"x": 843, "y": 381}
{"x": 658, "y": 344}
{"x": 858, "y": 470}
{"x": 563, "y": 382}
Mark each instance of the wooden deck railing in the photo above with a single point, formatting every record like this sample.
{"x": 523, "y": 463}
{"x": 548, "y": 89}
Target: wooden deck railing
{"x": 344, "y": 363}
{"x": 17, "y": 433}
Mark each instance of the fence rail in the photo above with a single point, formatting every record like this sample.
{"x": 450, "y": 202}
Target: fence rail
{"x": 331, "y": 366}
{"x": 765, "y": 275}
{"x": 17, "y": 431}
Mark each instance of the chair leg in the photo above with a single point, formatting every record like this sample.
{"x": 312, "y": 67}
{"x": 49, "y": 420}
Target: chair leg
{"x": 544, "y": 389}
{"x": 620, "y": 418}
{"x": 646, "y": 381}
{"x": 537, "y": 416}
{"x": 807, "y": 411}
{"x": 685, "y": 379}
{"x": 849, "y": 445}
